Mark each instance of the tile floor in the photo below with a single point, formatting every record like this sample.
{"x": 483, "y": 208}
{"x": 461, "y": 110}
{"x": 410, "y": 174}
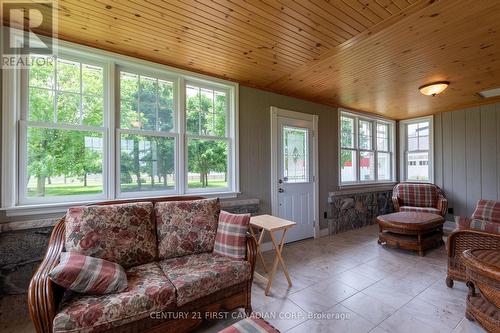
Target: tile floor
{"x": 343, "y": 283}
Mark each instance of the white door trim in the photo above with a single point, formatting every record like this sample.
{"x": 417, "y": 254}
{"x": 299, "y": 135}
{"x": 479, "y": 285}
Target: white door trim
{"x": 275, "y": 113}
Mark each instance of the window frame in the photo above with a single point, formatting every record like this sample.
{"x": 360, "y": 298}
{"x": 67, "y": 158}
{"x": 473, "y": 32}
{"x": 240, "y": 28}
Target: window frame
{"x": 403, "y": 155}
{"x": 174, "y": 133}
{"x": 374, "y": 121}
{"x": 24, "y": 124}
{"x": 227, "y": 138}
{"x": 14, "y": 131}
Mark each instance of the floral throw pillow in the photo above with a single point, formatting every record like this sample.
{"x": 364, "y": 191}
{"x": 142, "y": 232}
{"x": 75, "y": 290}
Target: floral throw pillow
{"x": 88, "y": 275}
{"x": 122, "y": 233}
{"x": 186, "y": 227}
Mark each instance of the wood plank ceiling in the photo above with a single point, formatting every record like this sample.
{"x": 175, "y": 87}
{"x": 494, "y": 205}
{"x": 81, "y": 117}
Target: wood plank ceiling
{"x": 368, "y": 55}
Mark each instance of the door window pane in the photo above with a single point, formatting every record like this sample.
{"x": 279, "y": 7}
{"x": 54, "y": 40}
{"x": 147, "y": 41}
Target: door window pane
{"x": 366, "y": 166}
{"x": 418, "y": 166}
{"x": 146, "y": 163}
{"x": 64, "y": 162}
{"x": 295, "y": 155}
{"x": 347, "y": 132}
{"x": 365, "y": 135}
{"x": 347, "y": 165}
{"x": 207, "y": 163}
{"x": 384, "y": 166}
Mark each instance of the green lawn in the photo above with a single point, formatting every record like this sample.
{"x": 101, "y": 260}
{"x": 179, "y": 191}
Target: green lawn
{"x": 60, "y": 190}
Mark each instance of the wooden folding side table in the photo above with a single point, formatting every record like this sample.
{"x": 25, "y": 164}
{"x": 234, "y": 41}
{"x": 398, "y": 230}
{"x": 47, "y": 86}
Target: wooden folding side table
{"x": 271, "y": 224}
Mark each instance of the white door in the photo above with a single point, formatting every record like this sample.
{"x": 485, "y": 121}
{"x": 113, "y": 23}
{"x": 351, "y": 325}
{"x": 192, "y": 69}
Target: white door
{"x": 295, "y": 182}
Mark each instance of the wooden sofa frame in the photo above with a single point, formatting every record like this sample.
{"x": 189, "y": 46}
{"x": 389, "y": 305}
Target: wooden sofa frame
{"x": 44, "y": 296}
{"x": 461, "y": 240}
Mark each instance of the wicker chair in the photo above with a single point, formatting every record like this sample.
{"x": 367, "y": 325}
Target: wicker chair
{"x": 481, "y": 231}
{"x": 418, "y": 197}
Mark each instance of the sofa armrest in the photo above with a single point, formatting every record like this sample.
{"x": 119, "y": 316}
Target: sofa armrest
{"x": 251, "y": 254}
{"x": 395, "y": 202}
{"x": 44, "y": 296}
{"x": 442, "y": 205}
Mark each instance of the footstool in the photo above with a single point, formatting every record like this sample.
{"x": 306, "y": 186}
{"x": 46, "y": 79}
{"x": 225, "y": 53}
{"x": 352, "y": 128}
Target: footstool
{"x": 252, "y": 324}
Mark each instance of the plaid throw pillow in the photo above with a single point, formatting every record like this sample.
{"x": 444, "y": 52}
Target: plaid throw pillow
{"x": 88, "y": 275}
{"x": 487, "y": 210}
{"x": 231, "y": 235}
{"x": 465, "y": 223}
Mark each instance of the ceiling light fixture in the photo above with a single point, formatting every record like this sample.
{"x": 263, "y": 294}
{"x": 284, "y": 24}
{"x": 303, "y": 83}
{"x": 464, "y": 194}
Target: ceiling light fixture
{"x": 432, "y": 89}
{"x": 490, "y": 93}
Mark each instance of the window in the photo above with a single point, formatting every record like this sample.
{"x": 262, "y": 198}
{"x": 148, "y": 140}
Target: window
{"x": 366, "y": 149}
{"x": 147, "y": 137}
{"x": 63, "y": 130}
{"x": 145, "y": 130}
{"x": 416, "y": 150}
{"x": 207, "y": 140}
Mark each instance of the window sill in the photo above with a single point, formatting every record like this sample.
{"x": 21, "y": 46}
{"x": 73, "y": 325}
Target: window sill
{"x": 54, "y": 208}
{"x": 363, "y": 188}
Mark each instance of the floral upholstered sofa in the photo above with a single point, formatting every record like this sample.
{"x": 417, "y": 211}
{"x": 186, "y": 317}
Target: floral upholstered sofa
{"x": 165, "y": 246}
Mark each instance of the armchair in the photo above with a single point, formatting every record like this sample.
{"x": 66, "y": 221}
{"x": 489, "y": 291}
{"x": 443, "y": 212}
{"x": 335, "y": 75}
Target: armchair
{"x": 481, "y": 231}
{"x": 413, "y": 197}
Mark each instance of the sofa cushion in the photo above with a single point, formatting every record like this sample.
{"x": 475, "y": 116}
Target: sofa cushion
{"x": 231, "y": 235}
{"x": 88, "y": 275}
{"x": 420, "y": 209}
{"x": 148, "y": 290}
{"x": 121, "y": 233}
{"x": 465, "y": 223}
{"x": 199, "y": 275}
{"x": 487, "y": 210}
{"x": 186, "y": 227}
{"x": 416, "y": 195}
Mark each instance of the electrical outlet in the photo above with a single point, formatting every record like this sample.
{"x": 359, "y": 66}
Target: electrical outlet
{"x": 325, "y": 215}
{"x": 450, "y": 210}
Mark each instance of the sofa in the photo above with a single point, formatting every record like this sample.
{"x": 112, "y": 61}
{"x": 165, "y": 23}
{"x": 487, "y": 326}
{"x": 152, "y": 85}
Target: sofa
{"x": 419, "y": 197}
{"x": 166, "y": 247}
{"x": 480, "y": 231}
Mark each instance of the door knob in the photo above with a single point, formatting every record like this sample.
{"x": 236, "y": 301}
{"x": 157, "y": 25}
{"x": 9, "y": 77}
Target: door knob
{"x": 281, "y": 190}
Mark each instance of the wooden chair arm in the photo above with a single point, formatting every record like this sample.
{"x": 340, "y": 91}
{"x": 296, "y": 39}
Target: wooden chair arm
{"x": 43, "y": 295}
{"x": 395, "y": 202}
{"x": 442, "y": 205}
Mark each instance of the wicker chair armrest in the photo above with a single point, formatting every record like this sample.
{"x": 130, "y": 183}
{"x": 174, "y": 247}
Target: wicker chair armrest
{"x": 442, "y": 205}
{"x": 461, "y": 240}
{"x": 43, "y": 295}
{"x": 396, "y": 203}
{"x": 251, "y": 254}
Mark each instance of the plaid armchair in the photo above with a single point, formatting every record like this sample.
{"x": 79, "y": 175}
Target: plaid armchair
{"x": 428, "y": 198}
{"x": 481, "y": 231}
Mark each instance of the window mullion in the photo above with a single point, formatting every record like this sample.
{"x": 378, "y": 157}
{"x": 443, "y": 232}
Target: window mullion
{"x": 181, "y": 144}
{"x": 111, "y": 118}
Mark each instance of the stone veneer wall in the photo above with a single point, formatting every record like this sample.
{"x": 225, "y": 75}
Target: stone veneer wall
{"x": 356, "y": 209}
{"x": 22, "y": 250}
